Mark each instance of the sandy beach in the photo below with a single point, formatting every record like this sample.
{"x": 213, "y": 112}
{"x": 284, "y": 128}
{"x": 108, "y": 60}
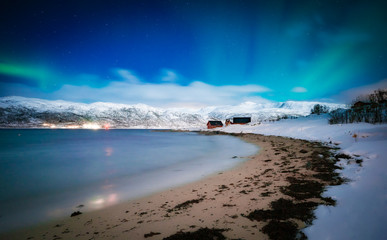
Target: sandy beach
{"x": 272, "y": 193}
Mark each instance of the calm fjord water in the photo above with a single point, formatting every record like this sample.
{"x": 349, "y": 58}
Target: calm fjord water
{"x": 46, "y": 174}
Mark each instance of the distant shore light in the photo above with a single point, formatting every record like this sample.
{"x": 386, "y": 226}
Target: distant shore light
{"x": 91, "y": 126}
{"x": 73, "y": 126}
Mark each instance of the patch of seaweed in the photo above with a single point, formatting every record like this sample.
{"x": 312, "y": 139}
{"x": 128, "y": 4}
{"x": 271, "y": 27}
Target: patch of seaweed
{"x": 302, "y": 189}
{"x": 229, "y": 205}
{"x": 333, "y": 178}
{"x": 328, "y": 201}
{"x": 324, "y": 165}
{"x": 266, "y": 171}
{"x": 359, "y": 161}
{"x": 283, "y": 209}
{"x": 327, "y": 177}
{"x": 223, "y": 187}
{"x": 267, "y": 194}
{"x": 343, "y": 156}
{"x": 151, "y": 234}
{"x": 202, "y": 234}
{"x": 185, "y": 204}
{"x": 283, "y": 230}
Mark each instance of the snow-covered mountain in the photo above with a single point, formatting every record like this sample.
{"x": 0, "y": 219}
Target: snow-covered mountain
{"x": 265, "y": 111}
{"x": 32, "y": 112}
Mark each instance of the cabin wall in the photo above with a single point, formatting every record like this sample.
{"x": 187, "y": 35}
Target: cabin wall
{"x": 209, "y": 126}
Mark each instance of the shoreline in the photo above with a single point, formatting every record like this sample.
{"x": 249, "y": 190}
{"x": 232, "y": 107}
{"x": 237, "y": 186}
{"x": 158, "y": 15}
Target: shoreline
{"x": 243, "y": 202}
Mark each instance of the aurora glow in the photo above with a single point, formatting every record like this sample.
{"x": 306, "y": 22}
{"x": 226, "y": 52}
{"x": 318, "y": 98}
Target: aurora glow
{"x": 296, "y": 50}
{"x": 38, "y": 76}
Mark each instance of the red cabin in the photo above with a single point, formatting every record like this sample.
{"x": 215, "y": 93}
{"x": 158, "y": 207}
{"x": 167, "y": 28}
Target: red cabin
{"x": 214, "y": 124}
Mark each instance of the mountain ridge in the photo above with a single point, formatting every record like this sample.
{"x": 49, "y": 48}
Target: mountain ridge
{"x": 16, "y": 111}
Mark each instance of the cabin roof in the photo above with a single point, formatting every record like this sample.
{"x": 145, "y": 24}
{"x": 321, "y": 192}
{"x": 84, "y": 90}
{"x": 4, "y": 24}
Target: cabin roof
{"x": 215, "y": 123}
{"x": 241, "y": 119}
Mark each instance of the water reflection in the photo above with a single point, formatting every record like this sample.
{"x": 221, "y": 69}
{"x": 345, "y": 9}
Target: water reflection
{"x": 99, "y": 202}
{"x": 108, "y": 151}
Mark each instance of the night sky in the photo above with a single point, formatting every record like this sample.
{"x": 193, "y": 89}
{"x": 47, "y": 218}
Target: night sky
{"x": 191, "y": 53}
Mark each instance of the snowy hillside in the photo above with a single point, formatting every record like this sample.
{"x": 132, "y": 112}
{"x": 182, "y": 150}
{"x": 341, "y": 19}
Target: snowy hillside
{"x": 265, "y": 111}
{"x": 32, "y": 112}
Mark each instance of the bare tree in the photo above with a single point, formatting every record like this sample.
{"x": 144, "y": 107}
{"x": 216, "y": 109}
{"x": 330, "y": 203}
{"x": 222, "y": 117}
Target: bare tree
{"x": 373, "y": 109}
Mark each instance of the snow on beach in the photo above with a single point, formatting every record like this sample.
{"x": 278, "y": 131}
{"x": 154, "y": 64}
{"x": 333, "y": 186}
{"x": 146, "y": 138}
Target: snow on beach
{"x": 361, "y": 212}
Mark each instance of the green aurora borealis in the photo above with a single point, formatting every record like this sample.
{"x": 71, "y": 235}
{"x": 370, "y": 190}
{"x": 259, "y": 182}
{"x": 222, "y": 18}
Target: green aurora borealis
{"x": 324, "y": 47}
